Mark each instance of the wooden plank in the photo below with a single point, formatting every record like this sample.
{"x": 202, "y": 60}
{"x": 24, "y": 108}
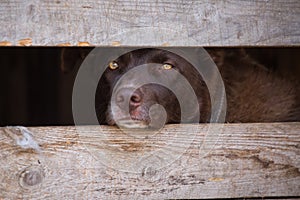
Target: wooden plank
{"x": 93, "y": 162}
{"x": 150, "y": 23}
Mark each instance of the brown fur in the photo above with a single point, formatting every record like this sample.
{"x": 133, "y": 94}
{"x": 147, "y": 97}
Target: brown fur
{"x": 254, "y": 93}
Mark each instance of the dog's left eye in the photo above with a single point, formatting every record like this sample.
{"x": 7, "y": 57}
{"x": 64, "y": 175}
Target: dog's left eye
{"x": 113, "y": 65}
{"x": 167, "y": 66}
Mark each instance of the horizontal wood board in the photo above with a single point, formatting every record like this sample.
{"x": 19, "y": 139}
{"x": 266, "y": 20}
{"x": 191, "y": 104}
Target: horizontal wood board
{"x": 182, "y": 161}
{"x": 150, "y": 23}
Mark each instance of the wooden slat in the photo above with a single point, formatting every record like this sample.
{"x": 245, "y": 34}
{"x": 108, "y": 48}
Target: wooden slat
{"x": 154, "y": 23}
{"x": 244, "y": 160}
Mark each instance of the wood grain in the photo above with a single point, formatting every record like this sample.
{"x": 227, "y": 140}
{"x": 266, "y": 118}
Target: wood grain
{"x": 151, "y": 23}
{"x": 181, "y": 161}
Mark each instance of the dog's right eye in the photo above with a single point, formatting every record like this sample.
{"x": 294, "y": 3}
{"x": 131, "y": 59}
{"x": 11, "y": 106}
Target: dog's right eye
{"x": 167, "y": 66}
{"x": 113, "y": 65}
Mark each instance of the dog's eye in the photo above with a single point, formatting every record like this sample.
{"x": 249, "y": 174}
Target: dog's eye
{"x": 113, "y": 65}
{"x": 167, "y": 66}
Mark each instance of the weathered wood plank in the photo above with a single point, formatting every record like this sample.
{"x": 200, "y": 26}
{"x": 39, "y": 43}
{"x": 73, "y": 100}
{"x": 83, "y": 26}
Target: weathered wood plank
{"x": 146, "y": 22}
{"x": 244, "y": 160}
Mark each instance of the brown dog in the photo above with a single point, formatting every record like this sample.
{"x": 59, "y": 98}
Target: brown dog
{"x": 254, "y": 93}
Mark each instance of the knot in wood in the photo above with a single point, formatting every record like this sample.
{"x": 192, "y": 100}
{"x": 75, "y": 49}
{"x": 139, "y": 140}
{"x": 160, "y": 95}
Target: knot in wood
{"x": 150, "y": 174}
{"x": 31, "y": 176}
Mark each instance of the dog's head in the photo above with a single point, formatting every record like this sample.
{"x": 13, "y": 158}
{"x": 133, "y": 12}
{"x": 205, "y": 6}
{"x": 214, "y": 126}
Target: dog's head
{"x": 135, "y": 102}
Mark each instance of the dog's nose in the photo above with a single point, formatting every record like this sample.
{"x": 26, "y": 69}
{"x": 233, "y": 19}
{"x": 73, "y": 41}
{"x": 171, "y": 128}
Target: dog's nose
{"x": 134, "y": 100}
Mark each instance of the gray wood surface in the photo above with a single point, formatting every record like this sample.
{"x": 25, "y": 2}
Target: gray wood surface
{"x": 146, "y": 22}
{"x": 182, "y": 161}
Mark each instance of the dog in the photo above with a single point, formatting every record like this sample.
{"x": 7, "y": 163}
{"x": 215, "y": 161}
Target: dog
{"x": 254, "y": 93}
{"x": 144, "y": 97}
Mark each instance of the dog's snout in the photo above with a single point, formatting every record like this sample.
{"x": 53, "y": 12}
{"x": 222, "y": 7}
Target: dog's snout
{"x": 134, "y": 97}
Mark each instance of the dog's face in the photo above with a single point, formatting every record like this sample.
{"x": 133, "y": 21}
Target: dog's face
{"x": 159, "y": 63}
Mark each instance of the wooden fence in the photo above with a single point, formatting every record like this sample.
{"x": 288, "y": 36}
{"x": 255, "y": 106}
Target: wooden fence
{"x": 243, "y": 160}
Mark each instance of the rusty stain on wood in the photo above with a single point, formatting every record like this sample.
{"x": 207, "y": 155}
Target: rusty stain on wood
{"x": 116, "y": 43}
{"x": 67, "y": 44}
{"x": 166, "y": 44}
{"x": 5, "y": 43}
{"x": 216, "y": 179}
{"x": 25, "y": 42}
{"x": 84, "y": 44}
